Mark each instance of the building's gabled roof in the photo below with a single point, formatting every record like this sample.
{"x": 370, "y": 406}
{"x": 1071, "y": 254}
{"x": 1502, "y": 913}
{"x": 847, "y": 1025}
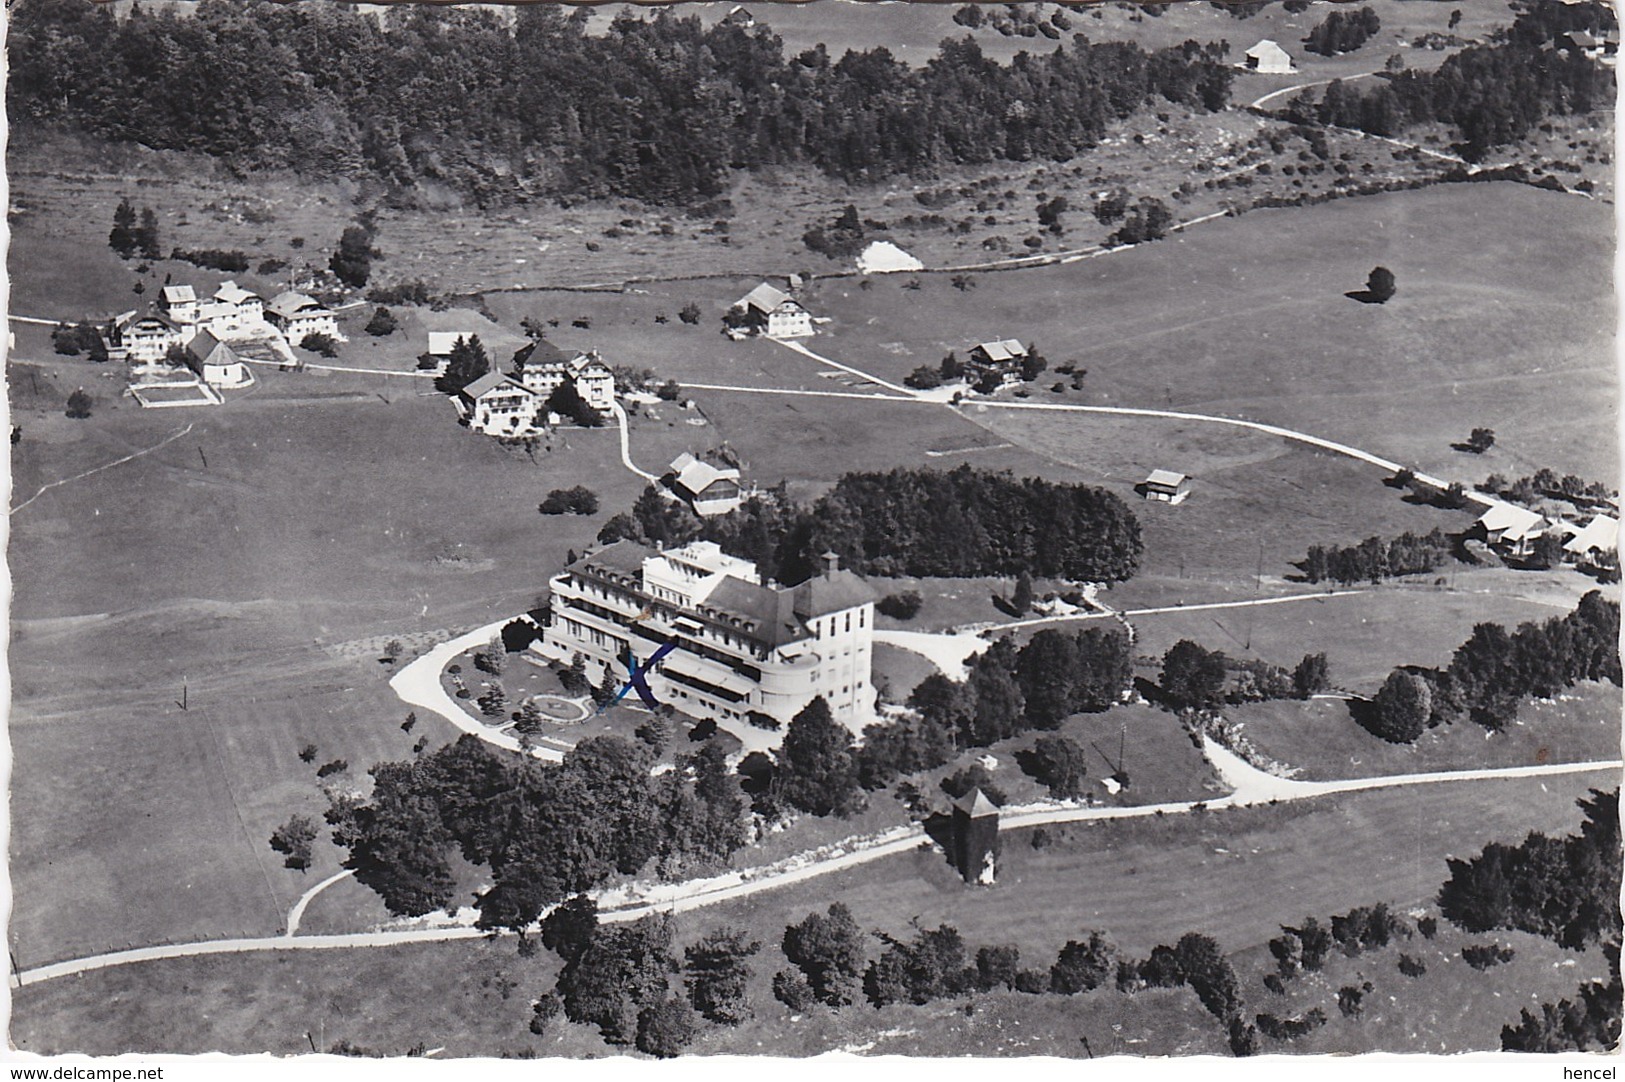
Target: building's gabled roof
{"x": 884, "y": 257}
{"x": 131, "y": 319}
{"x": 766, "y": 611}
{"x": 764, "y": 298}
{"x": 441, "y": 343}
{"x": 589, "y": 364}
{"x": 489, "y": 382}
{"x": 538, "y": 353}
{"x": 291, "y": 303}
{"x": 1601, "y": 533}
{"x": 1515, "y": 521}
{"x": 232, "y": 293}
{"x": 1007, "y": 349}
{"x": 1266, "y": 47}
{"x": 696, "y": 475}
{"x": 1584, "y": 39}
{"x": 178, "y": 295}
{"x": 1167, "y": 478}
{"x": 206, "y": 349}
{"x": 976, "y": 804}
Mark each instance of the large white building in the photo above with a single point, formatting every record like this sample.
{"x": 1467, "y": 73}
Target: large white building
{"x": 543, "y": 367}
{"x": 743, "y": 646}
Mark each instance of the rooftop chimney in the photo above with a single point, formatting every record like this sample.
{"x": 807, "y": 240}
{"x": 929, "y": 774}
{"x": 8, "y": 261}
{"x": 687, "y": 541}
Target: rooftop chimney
{"x": 832, "y": 563}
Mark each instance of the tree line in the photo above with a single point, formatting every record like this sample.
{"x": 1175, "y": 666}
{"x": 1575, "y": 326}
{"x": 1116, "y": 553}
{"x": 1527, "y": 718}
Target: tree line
{"x": 1491, "y": 94}
{"x": 1494, "y": 670}
{"x": 917, "y": 522}
{"x": 1374, "y": 559}
{"x": 657, "y": 107}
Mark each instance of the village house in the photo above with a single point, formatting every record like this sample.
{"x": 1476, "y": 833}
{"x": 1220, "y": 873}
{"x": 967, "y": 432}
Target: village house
{"x": 498, "y": 406}
{"x": 215, "y": 363}
{"x": 768, "y": 310}
{"x": 739, "y": 16}
{"x": 742, "y": 645}
{"x": 1510, "y": 530}
{"x": 1166, "y": 486}
{"x": 1268, "y": 58}
{"x": 996, "y": 363}
{"x": 178, "y": 304}
{"x": 708, "y": 489}
{"x": 233, "y": 311}
{"x": 142, "y": 339}
{"x": 1596, "y": 545}
{"x": 298, "y": 314}
{"x": 542, "y": 367}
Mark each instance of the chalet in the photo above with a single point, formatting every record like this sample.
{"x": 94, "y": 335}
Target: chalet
{"x": 542, "y": 367}
{"x": 178, "y": 303}
{"x": 743, "y": 645}
{"x": 739, "y": 16}
{"x": 770, "y": 311}
{"x": 499, "y": 406}
{"x": 298, "y": 314}
{"x": 1268, "y": 58}
{"x": 234, "y": 310}
{"x": 1166, "y": 486}
{"x": 1596, "y": 544}
{"x": 708, "y": 489}
{"x": 1511, "y": 530}
{"x": 144, "y": 339}
{"x": 884, "y": 257}
{"x": 996, "y": 363}
{"x": 215, "y": 362}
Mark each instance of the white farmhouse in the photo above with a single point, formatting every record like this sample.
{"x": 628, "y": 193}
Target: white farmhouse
{"x": 742, "y": 645}
{"x": 298, "y": 314}
{"x": 144, "y": 339}
{"x": 771, "y": 311}
{"x": 1268, "y": 58}
{"x": 499, "y": 406}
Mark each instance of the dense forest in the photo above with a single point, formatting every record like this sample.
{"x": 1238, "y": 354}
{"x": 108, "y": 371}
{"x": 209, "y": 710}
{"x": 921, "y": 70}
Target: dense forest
{"x": 913, "y": 522}
{"x": 1491, "y": 94}
{"x": 658, "y": 107}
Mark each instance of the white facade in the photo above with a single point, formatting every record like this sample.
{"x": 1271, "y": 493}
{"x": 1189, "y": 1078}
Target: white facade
{"x": 742, "y": 646}
{"x": 145, "y": 339}
{"x": 498, "y": 406}
{"x": 594, "y": 381}
{"x": 296, "y": 315}
{"x": 775, "y": 314}
{"x": 1268, "y": 58}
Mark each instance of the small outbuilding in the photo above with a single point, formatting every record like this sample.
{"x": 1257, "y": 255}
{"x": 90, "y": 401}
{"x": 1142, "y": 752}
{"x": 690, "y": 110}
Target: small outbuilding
{"x": 215, "y": 362}
{"x": 708, "y": 489}
{"x": 1166, "y": 486}
{"x": 975, "y": 837}
{"x": 1268, "y": 58}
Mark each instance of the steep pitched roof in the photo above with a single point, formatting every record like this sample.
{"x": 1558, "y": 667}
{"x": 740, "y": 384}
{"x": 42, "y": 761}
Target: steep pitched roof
{"x": 232, "y": 293}
{"x": 205, "y": 348}
{"x": 832, "y": 591}
{"x": 697, "y": 475}
{"x": 1601, "y": 533}
{"x": 178, "y": 294}
{"x": 1510, "y": 518}
{"x": 540, "y": 352}
{"x": 488, "y": 383}
{"x": 976, "y": 804}
{"x": 764, "y": 298}
{"x": 291, "y": 302}
{"x": 1264, "y": 48}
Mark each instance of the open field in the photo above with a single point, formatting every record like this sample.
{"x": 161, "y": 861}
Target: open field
{"x": 1324, "y": 742}
{"x": 1235, "y": 875}
{"x": 1363, "y": 636}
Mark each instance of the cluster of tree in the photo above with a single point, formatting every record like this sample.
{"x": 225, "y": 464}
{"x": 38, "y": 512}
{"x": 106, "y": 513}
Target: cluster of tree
{"x": 232, "y": 260}
{"x": 72, "y": 339}
{"x": 545, "y": 831}
{"x": 468, "y": 362}
{"x": 505, "y": 109}
{"x": 567, "y": 402}
{"x": 1013, "y": 20}
{"x": 616, "y": 977}
{"x": 1197, "y": 962}
{"x": 128, "y": 238}
{"x": 352, "y": 262}
{"x": 293, "y": 840}
{"x": 1491, "y": 94}
{"x": 1374, "y": 559}
{"x": 1287, "y": 1029}
{"x": 1343, "y": 32}
{"x": 1196, "y": 678}
{"x": 1482, "y": 956}
{"x": 1566, "y": 889}
{"x": 324, "y": 345}
{"x": 917, "y": 522}
{"x": 1011, "y": 691}
{"x": 578, "y": 500}
{"x": 382, "y": 324}
{"x": 1546, "y": 483}
{"x": 1148, "y": 219}
{"x": 900, "y": 606}
{"x": 1493, "y": 671}
{"x": 841, "y": 239}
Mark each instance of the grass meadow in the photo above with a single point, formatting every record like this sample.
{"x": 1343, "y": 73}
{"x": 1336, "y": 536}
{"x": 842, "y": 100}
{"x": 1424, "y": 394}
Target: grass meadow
{"x": 1235, "y": 875}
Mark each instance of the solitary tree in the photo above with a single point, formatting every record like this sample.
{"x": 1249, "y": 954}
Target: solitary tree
{"x": 292, "y": 839}
{"x": 1380, "y": 284}
{"x": 382, "y": 323}
{"x": 1481, "y": 440}
{"x": 79, "y": 404}
{"x": 1402, "y": 707}
{"x": 122, "y": 239}
{"x": 352, "y": 263}
{"x": 146, "y": 237}
{"x": 1023, "y": 597}
{"x": 689, "y": 313}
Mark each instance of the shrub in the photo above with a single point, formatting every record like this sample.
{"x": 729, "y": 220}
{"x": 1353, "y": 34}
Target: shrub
{"x": 382, "y": 323}
{"x": 337, "y": 766}
{"x": 320, "y": 343}
{"x": 78, "y": 406}
{"x": 1482, "y": 956}
{"x": 903, "y": 606}
{"x": 570, "y": 501}
{"x": 417, "y": 292}
{"x": 213, "y": 258}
